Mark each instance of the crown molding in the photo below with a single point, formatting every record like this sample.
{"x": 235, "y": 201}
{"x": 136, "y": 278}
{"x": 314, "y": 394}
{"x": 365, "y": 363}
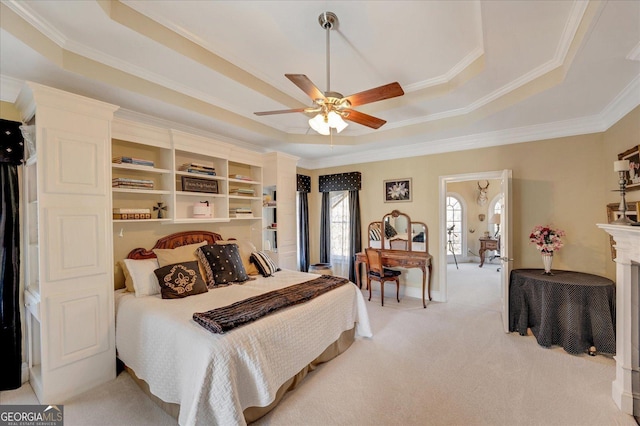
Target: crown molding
{"x": 10, "y": 88}
{"x": 25, "y": 12}
{"x": 624, "y": 103}
{"x": 634, "y": 54}
{"x": 151, "y": 121}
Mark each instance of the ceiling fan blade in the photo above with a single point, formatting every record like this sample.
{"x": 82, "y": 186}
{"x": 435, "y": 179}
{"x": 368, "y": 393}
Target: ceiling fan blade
{"x": 364, "y": 119}
{"x": 387, "y": 91}
{"x": 282, "y": 111}
{"x": 307, "y": 86}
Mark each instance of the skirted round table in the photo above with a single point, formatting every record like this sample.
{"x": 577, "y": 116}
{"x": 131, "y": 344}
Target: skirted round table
{"x": 572, "y": 309}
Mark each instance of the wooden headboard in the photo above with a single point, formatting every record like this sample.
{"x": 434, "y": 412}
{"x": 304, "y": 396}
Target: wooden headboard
{"x": 175, "y": 240}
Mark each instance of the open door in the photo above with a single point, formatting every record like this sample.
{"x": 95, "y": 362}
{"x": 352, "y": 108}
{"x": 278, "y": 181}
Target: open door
{"x": 505, "y": 245}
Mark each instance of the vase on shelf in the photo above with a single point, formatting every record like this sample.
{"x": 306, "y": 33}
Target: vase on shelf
{"x": 547, "y": 259}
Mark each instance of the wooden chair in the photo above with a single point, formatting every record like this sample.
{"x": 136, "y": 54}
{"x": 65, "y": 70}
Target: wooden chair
{"x": 376, "y": 272}
{"x": 398, "y": 244}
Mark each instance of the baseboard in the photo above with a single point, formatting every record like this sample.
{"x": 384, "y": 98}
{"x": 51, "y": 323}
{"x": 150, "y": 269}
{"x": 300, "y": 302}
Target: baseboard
{"x": 25, "y": 372}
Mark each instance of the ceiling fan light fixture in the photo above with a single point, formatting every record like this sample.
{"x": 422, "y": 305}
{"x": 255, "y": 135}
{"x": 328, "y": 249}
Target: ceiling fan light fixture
{"x": 335, "y": 120}
{"x": 323, "y": 123}
{"x": 319, "y": 124}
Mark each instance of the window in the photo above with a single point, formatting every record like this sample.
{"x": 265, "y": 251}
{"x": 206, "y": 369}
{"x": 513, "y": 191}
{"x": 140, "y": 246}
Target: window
{"x": 495, "y": 206}
{"x": 454, "y": 225}
{"x": 340, "y": 232}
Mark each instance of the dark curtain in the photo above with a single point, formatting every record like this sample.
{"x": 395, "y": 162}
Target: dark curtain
{"x": 325, "y": 229}
{"x": 303, "y": 235}
{"x": 355, "y": 244}
{"x": 10, "y": 331}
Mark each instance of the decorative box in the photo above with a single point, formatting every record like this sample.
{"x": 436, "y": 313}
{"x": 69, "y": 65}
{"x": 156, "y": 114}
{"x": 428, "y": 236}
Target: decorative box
{"x": 202, "y": 209}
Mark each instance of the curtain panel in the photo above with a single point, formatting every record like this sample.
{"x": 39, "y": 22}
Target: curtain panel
{"x": 10, "y": 328}
{"x": 325, "y": 229}
{"x": 304, "y": 187}
{"x": 351, "y": 182}
{"x": 355, "y": 245}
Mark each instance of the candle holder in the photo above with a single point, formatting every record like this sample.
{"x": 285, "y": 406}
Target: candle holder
{"x": 621, "y": 167}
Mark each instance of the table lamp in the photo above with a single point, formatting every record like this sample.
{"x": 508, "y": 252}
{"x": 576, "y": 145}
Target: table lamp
{"x": 495, "y": 220}
{"x": 622, "y": 166}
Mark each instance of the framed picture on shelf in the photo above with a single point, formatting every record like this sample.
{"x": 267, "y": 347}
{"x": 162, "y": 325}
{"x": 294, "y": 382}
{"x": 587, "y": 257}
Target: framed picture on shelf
{"x": 199, "y": 185}
{"x": 633, "y": 175}
{"x": 396, "y": 190}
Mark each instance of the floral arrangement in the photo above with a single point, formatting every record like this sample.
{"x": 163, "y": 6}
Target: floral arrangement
{"x": 547, "y": 239}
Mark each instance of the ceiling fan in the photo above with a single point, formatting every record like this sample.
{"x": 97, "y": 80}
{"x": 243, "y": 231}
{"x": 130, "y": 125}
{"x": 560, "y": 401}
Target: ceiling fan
{"x": 331, "y": 108}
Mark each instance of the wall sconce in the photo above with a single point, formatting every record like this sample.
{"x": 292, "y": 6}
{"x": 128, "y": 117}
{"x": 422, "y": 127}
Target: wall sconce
{"x": 481, "y": 217}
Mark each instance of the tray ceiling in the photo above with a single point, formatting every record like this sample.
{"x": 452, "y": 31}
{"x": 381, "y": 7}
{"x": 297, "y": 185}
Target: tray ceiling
{"x": 475, "y": 73}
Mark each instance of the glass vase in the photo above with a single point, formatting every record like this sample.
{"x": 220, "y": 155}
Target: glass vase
{"x": 547, "y": 259}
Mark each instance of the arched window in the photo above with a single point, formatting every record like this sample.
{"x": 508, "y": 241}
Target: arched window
{"x": 495, "y": 207}
{"x": 455, "y": 225}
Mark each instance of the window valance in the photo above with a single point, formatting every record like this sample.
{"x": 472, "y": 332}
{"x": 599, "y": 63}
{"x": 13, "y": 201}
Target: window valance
{"x": 340, "y": 182}
{"x": 304, "y": 183}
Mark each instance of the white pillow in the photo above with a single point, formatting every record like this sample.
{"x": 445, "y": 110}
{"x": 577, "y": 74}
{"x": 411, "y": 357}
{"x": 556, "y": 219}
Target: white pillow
{"x": 145, "y": 282}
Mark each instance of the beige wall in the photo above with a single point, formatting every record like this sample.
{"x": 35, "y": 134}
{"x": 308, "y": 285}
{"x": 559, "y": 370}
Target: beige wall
{"x": 564, "y": 182}
{"x": 9, "y": 112}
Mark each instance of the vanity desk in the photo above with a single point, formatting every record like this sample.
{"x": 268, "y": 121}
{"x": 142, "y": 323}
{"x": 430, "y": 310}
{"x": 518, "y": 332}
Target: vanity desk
{"x": 402, "y": 243}
{"x": 485, "y": 245}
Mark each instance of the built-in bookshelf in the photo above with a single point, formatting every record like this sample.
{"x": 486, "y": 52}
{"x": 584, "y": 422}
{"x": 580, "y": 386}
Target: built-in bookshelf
{"x": 68, "y": 296}
{"x": 141, "y": 181}
{"x": 183, "y": 186}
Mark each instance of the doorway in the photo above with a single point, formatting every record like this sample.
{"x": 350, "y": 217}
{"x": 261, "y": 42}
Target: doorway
{"x": 474, "y": 230}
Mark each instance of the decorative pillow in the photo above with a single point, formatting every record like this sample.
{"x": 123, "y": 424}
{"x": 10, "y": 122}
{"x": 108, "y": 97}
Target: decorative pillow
{"x": 222, "y": 264}
{"x": 419, "y": 238}
{"x": 374, "y": 233}
{"x": 264, "y": 263}
{"x": 140, "y": 274}
{"x": 178, "y": 254}
{"x": 246, "y": 247}
{"x": 389, "y": 231}
{"x": 180, "y": 280}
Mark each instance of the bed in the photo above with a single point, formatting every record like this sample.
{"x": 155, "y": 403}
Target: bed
{"x": 238, "y": 376}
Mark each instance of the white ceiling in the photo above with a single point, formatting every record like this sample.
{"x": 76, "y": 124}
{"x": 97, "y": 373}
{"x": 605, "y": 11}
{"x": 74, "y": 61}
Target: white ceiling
{"x": 475, "y": 73}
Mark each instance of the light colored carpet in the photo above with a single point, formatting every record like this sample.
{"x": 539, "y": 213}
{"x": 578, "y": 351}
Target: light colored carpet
{"x": 449, "y": 364}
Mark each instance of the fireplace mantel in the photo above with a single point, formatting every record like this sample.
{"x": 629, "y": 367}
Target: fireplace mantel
{"x": 626, "y": 387}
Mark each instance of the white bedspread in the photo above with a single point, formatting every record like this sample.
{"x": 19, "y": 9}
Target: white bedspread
{"x": 215, "y": 377}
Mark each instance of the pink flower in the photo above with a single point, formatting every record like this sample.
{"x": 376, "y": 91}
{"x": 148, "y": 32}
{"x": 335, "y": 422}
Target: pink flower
{"x": 546, "y": 239}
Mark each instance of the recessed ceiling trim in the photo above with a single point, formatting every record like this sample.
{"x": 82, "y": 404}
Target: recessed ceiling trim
{"x": 150, "y": 28}
{"x": 445, "y": 78}
{"x": 634, "y": 55}
{"x": 25, "y": 12}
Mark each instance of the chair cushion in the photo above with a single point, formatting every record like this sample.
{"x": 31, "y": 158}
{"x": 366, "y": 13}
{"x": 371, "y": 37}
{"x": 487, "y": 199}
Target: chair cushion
{"x": 387, "y": 273}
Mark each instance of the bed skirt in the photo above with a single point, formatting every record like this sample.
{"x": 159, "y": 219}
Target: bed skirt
{"x": 252, "y": 414}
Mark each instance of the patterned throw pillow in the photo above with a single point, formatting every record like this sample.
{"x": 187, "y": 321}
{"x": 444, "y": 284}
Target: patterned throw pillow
{"x": 389, "y": 231}
{"x": 222, "y": 264}
{"x": 264, "y": 263}
{"x": 374, "y": 233}
{"x": 180, "y": 280}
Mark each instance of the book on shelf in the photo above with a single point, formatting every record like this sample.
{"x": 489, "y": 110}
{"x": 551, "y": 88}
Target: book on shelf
{"x": 197, "y": 166}
{"x": 199, "y": 171}
{"x": 242, "y": 191}
{"x": 130, "y": 210}
{"x": 240, "y": 177}
{"x": 131, "y": 216}
{"x": 132, "y": 185}
{"x": 133, "y": 160}
{"x": 240, "y": 212}
{"x": 130, "y": 180}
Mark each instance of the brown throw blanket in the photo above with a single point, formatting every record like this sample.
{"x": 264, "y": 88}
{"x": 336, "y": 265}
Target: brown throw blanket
{"x": 245, "y": 311}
